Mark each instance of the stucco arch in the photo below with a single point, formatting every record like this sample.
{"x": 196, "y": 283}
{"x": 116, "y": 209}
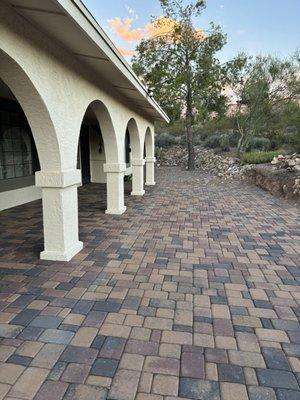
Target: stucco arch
{"x": 149, "y": 143}
{"x": 35, "y": 110}
{"x": 107, "y": 130}
{"x": 135, "y": 139}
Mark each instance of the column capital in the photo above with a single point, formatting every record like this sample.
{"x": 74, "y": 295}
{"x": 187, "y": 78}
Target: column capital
{"x": 58, "y": 179}
{"x": 136, "y": 162}
{"x": 150, "y": 159}
{"x": 114, "y": 167}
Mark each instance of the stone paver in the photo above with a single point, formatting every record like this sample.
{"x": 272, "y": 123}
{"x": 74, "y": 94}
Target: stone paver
{"x": 193, "y": 293}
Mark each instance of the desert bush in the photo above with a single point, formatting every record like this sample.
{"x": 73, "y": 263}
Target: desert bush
{"x": 220, "y": 141}
{"x": 166, "y": 140}
{"x": 233, "y": 138}
{"x": 258, "y": 157}
{"x": 294, "y": 141}
{"x": 259, "y": 143}
{"x": 175, "y": 128}
{"x": 197, "y": 140}
{"x": 212, "y": 141}
{"x": 224, "y": 142}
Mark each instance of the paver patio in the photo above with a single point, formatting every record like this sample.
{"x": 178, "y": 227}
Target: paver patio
{"x": 193, "y": 293}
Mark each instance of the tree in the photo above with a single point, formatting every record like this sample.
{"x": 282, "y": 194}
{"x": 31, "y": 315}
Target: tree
{"x": 267, "y": 89}
{"x": 180, "y": 66}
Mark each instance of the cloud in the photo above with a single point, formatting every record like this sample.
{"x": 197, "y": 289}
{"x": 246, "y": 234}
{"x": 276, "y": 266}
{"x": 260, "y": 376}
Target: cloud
{"x": 132, "y": 12}
{"x": 126, "y": 52}
{"x": 122, "y": 28}
{"x": 160, "y": 27}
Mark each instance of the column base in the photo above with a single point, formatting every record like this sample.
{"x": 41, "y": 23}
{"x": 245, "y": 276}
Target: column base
{"x": 140, "y": 193}
{"x": 150, "y": 183}
{"x": 112, "y": 211}
{"x": 61, "y": 256}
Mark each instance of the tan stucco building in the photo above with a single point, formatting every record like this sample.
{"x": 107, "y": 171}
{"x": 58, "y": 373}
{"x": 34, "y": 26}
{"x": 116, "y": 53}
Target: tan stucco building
{"x": 71, "y": 112}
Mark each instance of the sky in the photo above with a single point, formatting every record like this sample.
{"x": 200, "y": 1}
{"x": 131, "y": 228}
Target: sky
{"x": 252, "y": 26}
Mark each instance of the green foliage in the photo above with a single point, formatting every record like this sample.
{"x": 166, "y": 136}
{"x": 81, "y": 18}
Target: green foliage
{"x": 233, "y": 138}
{"x": 268, "y": 88}
{"x": 128, "y": 178}
{"x": 294, "y": 141}
{"x": 181, "y": 68}
{"x": 259, "y": 143}
{"x": 166, "y": 140}
{"x": 258, "y": 157}
{"x": 212, "y": 141}
{"x": 212, "y": 126}
{"x": 174, "y": 128}
{"x": 218, "y": 141}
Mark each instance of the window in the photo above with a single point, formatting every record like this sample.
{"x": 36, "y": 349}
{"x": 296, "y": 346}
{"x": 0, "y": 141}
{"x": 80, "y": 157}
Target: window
{"x": 18, "y": 157}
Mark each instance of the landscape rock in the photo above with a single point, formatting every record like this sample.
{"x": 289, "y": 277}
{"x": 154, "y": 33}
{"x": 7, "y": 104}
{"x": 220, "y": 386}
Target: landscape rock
{"x": 281, "y": 182}
{"x": 280, "y": 177}
{"x": 206, "y": 161}
{"x": 289, "y": 162}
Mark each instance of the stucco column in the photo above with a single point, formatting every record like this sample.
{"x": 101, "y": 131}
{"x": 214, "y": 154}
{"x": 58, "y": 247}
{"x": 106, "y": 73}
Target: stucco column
{"x": 137, "y": 177}
{"x": 60, "y": 214}
{"x": 115, "y": 188}
{"x": 150, "y": 161}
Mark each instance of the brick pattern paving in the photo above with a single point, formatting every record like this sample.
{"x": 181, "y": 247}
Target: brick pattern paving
{"x": 192, "y": 294}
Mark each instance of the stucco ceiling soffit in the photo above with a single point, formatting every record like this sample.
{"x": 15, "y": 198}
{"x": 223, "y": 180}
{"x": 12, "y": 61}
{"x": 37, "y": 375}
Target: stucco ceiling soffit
{"x": 91, "y": 57}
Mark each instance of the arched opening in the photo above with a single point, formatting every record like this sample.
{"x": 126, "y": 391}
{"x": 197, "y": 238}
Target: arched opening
{"x": 28, "y": 143}
{"x": 149, "y": 154}
{"x": 134, "y": 159}
{"x": 24, "y": 91}
{"x": 27, "y": 136}
{"x": 97, "y": 146}
{"x": 149, "y": 144}
{"x": 18, "y": 154}
{"x": 132, "y": 135}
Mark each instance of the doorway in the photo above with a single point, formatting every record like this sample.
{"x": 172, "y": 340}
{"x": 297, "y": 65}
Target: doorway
{"x": 85, "y": 154}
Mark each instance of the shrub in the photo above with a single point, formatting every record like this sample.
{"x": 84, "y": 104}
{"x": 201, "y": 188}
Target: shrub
{"x": 258, "y": 157}
{"x": 218, "y": 141}
{"x": 294, "y": 141}
{"x": 259, "y": 143}
{"x": 166, "y": 140}
{"x": 213, "y": 141}
{"x": 222, "y": 125}
{"x": 175, "y": 128}
{"x": 224, "y": 143}
{"x": 128, "y": 178}
{"x": 233, "y": 138}
{"x": 197, "y": 140}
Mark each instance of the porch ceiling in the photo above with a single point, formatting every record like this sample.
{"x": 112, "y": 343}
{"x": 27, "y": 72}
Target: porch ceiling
{"x": 72, "y": 25}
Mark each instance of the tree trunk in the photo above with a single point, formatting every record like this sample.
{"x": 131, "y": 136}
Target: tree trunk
{"x": 240, "y": 143}
{"x": 189, "y": 133}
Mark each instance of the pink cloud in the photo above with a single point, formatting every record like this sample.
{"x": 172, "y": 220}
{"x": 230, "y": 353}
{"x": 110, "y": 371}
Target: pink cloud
{"x": 122, "y": 27}
{"x": 161, "y": 27}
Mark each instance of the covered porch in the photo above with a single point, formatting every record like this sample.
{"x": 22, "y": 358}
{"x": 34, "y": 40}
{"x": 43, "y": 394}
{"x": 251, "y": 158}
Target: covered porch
{"x": 71, "y": 108}
{"x": 21, "y": 234}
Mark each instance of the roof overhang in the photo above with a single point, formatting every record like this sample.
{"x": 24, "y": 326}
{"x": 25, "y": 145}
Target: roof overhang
{"x": 71, "y": 24}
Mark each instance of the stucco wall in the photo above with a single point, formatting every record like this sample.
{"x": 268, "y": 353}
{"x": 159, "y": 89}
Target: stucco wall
{"x": 65, "y": 88}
